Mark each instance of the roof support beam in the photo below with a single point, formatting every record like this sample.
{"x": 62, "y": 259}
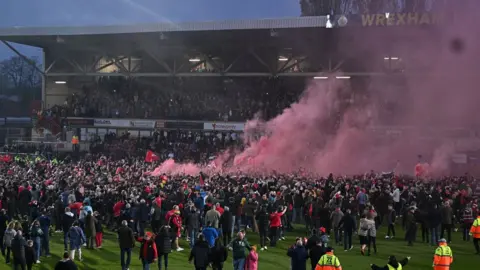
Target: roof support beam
{"x": 24, "y": 58}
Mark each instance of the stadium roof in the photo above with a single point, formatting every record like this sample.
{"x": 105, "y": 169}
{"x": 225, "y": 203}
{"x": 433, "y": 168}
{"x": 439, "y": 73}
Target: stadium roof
{"x": 28, "y": 35}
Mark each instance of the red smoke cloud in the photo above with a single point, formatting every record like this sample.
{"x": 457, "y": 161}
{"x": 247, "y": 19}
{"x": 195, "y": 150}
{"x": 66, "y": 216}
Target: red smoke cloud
{"x": 442, "y": 97}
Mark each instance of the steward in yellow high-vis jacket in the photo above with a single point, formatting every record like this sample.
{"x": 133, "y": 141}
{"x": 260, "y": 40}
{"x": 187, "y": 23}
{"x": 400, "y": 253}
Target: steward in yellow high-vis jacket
{"x": 328, "y": 261}
{"x": 392, "y": 264}
{"x": 475, "y": 232}
{"x": 443, "y": 257}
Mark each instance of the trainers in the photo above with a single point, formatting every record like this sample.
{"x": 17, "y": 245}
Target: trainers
{"x": 282, "y": 238}
{"x": 180, "y": 249}
{"x": 387, "y": 237}
{"x": 262, "y": 249}
{"x": 265, "y": 247}
{"x": 345, "y": 250}
{"x": 351, "y": 247}
{"x": 37, "y": 261}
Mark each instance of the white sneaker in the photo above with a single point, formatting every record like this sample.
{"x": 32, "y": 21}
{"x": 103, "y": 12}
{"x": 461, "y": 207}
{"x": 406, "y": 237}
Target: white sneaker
{"x": 387, "y": 237}
{"x": 262, "y": 249}
{"x": 37, "y": 261}
{"x": 345, "y": 250}
{"x": 180, "y": 249}
{"x": 283, "y": 238}
{"x": 265, "y": 247}
{"x": 351, "y": 247}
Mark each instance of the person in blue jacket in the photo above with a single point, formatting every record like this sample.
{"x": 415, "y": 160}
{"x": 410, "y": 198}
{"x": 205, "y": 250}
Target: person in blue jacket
{"x": 210, "y": 234}
{"x": 77, "y": 239}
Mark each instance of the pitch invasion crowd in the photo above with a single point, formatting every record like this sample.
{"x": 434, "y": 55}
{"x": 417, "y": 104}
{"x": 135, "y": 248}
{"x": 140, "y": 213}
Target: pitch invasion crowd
{"x": 81, "y": 199}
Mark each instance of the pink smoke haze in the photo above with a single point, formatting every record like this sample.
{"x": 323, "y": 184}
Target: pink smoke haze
{"x": 170, "y": 167}
{"x": 438, "y": 92}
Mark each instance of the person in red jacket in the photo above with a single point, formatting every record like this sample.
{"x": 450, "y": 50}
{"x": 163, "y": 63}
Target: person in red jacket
{"x": 148, "y": 250}
{"x": 275, "y": 224}
{"x": 117, "y": 211}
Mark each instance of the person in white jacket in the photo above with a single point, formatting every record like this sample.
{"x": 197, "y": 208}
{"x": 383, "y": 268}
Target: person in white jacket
{"x": 396, "y": 199}
{"x": 7, "y": 240}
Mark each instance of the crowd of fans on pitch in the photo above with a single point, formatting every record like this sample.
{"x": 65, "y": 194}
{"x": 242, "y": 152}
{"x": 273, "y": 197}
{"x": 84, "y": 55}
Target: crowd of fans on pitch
{"x": 80, "y": 199}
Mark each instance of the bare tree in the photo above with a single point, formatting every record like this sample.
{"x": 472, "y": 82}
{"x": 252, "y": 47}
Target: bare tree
{"x": 20, "y": 73}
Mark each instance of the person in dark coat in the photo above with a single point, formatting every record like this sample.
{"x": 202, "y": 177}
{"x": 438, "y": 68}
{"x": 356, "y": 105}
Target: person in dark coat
{"x": 316, "y": 252}
{"x": 126, "y": 240}
{"x": 164, "y": 245}
{"x": 218, "y": 255}
{"x": 411, "y": 227}
{"x": 18, "y": 250}
{"x": 200, "y": 254}
{"x": 192, "y": 221}
{"x": 349, "y": 226}
{"x": 67, "y": 222}
{"x": 392, "y": 261}
{"x": 434, "y": 219}
{"x": 298, "y": 254}
{"x": 66, "y": 263}
{"x": 90, "y": 231}
{"x": 30, "y": 255}
{"x": 262, "y": 218}
{"x": 143, "y": 213}
{"x": 226, "y": 223}
{"x": 148, "y": 250}
{"x": 4, "y": 220}
{"x": 313, "y": 240}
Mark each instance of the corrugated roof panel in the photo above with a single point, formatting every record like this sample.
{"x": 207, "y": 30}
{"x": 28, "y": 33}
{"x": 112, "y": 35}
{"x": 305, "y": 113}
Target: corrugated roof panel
{"x": 296, "y": 22}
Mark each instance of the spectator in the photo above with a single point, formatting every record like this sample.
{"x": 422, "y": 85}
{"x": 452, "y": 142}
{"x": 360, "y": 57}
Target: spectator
{"x": 45, "y": 223}
{"x": 36, "y": 234}
{"x": 164, "y": 245}
{"x": 226, "y": 224}
{"x": 251, "y": 263}
{"x": 4, "y": 220}
{"x": 67, "y": 221}
{"x": 148, "y": 250}
{"x": 349, "y": 226}
{"x": 200, "y": 254}
{"x": 126, "y": 241}
{"x": 7, "y": 240}
{"x": 210, "y": 234}
{"x": 193, "y": 224}
{"x": 98, "y": 230}
{"x": 30, "y": 255}
{"x": 298, "y": 255}
{"x": 239, "y": 245}
{"x": 77, "y": 239}
{"x": 66, "y": 263}
{"x": 18, "y": 251}
{"x": 219, "y": 255}
{"x": 90, "y": 232}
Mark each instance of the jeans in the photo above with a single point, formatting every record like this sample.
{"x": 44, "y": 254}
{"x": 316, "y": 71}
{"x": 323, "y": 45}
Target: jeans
{"x": 466, "y": 231}
{"x": 125, "y": 264}
{"x": 193, "y": 237}
{"x": 347, "y": 240}
{"x": 233, "y": 225}
{"x": 239, "y": 264}
{"x": 448, "y": 228}
{"x": 391, "y": 230}
{"x": 146, "y": 265}
{"x": 7, "y": 256}
{"x": 434, "y": 236}
{"x": 37, "y": 245}
{"x": 337, "y": 235}
{"x": 46, "y": 244}
{"x": 65, "y": 240}
{"x": 165, "y": 256}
